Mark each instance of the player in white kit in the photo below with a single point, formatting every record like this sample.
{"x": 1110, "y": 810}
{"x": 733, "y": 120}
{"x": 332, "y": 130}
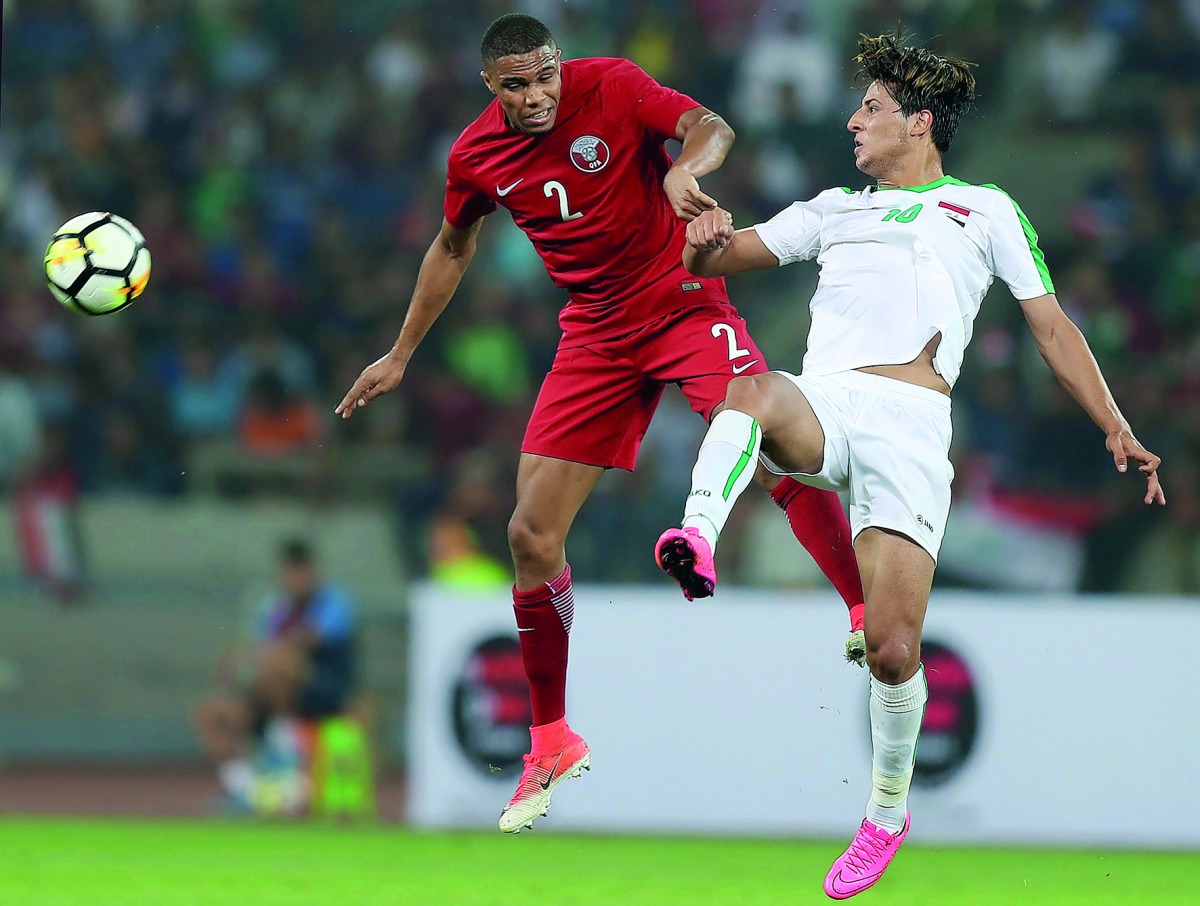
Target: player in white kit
{"x": 905, "y": 264}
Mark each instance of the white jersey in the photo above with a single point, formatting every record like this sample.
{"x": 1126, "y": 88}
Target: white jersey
{"x": 899, "y": 266}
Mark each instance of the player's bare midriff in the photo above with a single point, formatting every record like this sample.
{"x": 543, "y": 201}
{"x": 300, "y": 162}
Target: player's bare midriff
{"x": 919, "y": 371}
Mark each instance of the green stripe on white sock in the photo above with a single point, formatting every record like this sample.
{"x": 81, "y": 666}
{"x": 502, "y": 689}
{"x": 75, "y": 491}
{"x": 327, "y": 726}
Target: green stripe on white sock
{"x": 722, "y": 472}
{"x": 751, "y": 450}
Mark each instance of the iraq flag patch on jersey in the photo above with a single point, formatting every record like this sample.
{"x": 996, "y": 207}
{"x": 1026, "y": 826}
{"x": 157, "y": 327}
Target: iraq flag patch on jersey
{"x": 955, "y": 213}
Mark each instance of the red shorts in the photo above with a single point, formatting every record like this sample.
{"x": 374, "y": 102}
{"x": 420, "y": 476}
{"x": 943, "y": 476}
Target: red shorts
{"x": 597, "y": 401}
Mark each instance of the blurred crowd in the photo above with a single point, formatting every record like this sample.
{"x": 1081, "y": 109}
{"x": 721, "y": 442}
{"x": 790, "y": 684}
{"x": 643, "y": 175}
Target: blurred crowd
{"x": 286, "y": 162}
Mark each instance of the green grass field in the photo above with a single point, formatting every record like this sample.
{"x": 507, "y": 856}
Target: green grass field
{"x": 49, "y": 862}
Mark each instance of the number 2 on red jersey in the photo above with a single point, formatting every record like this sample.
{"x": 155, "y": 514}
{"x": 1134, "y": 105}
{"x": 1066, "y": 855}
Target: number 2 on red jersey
{"x": 554, "y": 187}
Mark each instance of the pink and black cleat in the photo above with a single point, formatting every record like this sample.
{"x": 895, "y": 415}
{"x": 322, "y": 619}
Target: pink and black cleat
{"x": 685, "y": 556}
{"x": 864, "y": 861}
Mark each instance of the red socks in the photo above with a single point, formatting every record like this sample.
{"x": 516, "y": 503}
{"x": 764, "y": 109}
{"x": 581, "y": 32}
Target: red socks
{"x": 820, "y": 524}
{"x": 544, "y": 616}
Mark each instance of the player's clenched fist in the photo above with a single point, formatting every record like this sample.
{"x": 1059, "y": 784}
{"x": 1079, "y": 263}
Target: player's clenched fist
{"x": 711, "y": 230}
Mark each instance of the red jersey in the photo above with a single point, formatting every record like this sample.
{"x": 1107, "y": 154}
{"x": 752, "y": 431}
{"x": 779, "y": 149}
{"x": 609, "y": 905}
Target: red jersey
{"x": 589, "y": 195}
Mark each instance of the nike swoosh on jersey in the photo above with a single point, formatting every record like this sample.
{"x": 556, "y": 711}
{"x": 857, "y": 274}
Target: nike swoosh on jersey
{"x": 738, "y": 369}
{"x": 526, "y": 628}
{"x": 502, "y": 192}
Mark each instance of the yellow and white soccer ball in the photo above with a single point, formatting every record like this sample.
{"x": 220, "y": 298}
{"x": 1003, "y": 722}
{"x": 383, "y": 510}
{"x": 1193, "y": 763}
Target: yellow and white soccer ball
{"x": 97, "y": 263}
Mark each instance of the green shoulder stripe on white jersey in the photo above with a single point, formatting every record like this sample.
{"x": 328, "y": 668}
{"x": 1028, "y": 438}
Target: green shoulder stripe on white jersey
{"x": 936, "y": 184}
{"x": 1030, "y": 236}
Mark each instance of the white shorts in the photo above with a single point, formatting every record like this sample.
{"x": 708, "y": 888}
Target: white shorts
{"x": 887, "y": 442}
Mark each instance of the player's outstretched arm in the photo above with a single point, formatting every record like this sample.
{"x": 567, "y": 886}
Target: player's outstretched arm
{"x": 715, "y": 249}
{"x": 1066, "y": 351}
{"x": 441, "y": 271}
{"x": 706, "y": 139}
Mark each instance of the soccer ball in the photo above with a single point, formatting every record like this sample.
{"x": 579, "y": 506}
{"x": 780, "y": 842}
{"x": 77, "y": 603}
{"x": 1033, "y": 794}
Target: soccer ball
{"x": 97, "y": 263}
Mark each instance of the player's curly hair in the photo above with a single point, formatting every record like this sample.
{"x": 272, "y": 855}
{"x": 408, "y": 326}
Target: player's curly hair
{"x": 513, "y": 33}
{"x": 919, "y": 79}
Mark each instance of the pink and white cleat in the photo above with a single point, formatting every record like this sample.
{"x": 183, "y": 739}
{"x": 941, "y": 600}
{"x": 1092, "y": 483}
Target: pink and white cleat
{"x": 865, "y": 861}
{"x": 541, "y": 775}
{"x": 685, "y": 556}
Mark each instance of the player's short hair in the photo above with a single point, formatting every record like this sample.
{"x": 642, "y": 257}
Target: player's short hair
{"x": 511, "y": 34}
{"x": 919, "y": 80}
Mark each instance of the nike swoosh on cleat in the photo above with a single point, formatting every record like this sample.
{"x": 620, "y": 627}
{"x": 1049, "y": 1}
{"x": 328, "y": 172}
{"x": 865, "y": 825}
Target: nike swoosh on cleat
{"x": 502, "y": 192}
{"x": 550, "y": 779}
{"x": 738, "y": 369}
{"x": 858, "y": 886}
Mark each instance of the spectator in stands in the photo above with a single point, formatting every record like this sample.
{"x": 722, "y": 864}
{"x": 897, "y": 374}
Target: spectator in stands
{"x": 488, "y": 353}
{"x": 125, "y": 428}
{"x": 457, "y": 556}
{"x": 1177, "y": 142}
{"x": 19, "y": 418}
{"x": 130, "y": 460}
{"x": 1072, "y": 63}
{"x": 263, "y": 347}
{"x": 1164, "y": 45}
{"x": 275, "y": 422}
{"x": 1178, "y": 298}
{"x": 301, "y": 663}
{"x": 203, "y": 397}
{"x": 46, "y": 513}
{"x": 786, "y": 51}
{"x": 1089, "y": 296}
{"x": 397, "y": 64}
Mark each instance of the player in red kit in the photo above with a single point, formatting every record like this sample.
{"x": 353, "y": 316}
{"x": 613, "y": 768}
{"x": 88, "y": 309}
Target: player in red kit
{"x": 574, "y": 150}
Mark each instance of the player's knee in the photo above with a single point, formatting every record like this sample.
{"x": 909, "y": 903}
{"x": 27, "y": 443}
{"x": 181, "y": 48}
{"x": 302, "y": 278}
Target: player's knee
{"x": 530, "y": 544}
{"x": 893, "y": 659}
{"x": 748, "y": 394}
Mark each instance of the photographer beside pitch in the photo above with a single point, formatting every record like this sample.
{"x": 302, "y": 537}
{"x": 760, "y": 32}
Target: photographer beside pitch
{"x": 905, "y": 265}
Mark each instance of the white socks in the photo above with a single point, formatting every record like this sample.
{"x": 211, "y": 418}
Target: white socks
{"x": 896, "y": 713}
{"x": 726, "y": 463}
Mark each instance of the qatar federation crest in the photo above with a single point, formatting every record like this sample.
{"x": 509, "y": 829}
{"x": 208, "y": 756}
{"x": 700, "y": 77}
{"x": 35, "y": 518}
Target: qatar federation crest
{"x": 589, "y": 154}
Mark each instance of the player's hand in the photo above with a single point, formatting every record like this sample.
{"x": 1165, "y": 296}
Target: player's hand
{"x": 685, "y": 196}
{"x": 711, "y": 231}
{"x": 379, "y": 377}
{"x": 1124, "y": 446}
